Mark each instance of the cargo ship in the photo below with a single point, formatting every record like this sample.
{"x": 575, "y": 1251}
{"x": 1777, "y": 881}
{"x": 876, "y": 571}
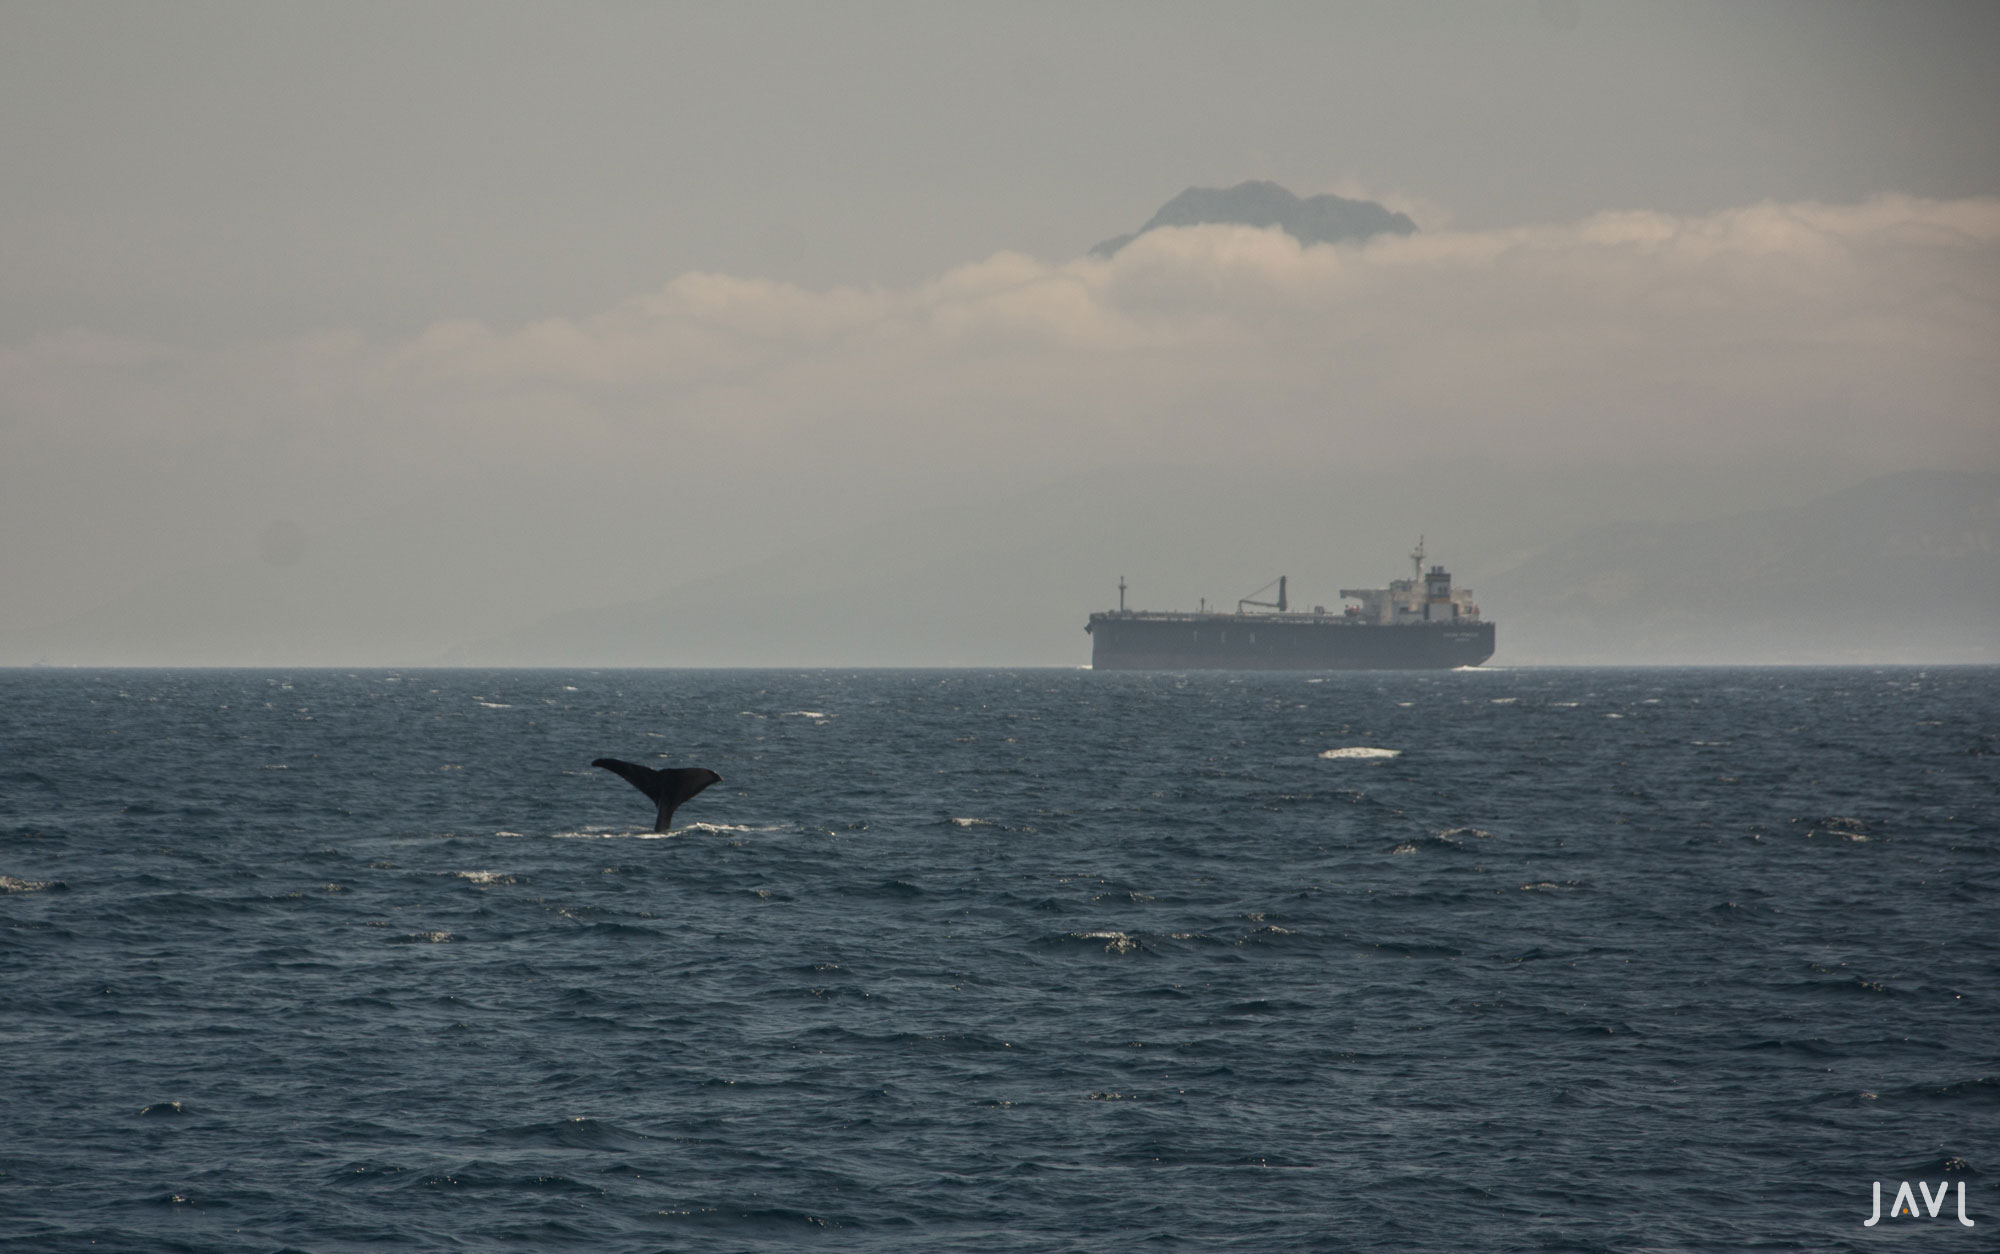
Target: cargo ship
{"x": 1419, "y": 623}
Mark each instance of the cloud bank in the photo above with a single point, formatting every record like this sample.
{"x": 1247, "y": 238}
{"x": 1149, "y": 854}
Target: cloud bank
{"x": 1860, "y": 333}
{"x": 1868, "y": 327}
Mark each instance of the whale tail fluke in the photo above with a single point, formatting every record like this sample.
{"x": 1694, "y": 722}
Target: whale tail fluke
{"x": 667, "y": 789}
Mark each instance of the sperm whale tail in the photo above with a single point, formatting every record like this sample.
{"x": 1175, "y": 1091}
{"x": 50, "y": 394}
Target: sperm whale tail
{"x": 668, "y": 789}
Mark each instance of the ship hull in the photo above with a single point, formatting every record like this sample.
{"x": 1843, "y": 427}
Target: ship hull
{"x": 1213, "y": 642}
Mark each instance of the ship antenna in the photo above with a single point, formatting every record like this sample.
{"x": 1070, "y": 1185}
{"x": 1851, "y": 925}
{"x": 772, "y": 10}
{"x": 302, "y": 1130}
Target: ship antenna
{"x": 1121, "y": 594}
{"x": 1417, "y": 558}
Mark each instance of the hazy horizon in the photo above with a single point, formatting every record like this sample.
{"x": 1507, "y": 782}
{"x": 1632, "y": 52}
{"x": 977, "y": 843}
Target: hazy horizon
{"x": 363, "y": 335}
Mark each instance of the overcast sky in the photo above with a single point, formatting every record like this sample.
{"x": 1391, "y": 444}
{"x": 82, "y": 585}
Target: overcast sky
{"x": 270, "y": 271}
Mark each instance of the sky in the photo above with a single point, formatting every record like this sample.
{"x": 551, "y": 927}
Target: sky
{"x": 531, "y": 308}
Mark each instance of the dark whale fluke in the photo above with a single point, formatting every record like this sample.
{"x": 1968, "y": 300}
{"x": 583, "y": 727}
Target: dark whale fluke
{"x": 668, "y": 789}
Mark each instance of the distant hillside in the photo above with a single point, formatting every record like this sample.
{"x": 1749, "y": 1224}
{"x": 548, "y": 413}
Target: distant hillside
{"x": 1900, "y": 568}
{"x": 1313, "y": 220}
{"x": 1903, "y": 567}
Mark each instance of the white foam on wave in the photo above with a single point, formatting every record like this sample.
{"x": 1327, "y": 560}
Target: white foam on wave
{"x": 811, "y": 714}
{"x": 972, "y": 823}
{"x": 692, "y": 829}
{"x": 485, "y": 877}
{"x": 492, "y": 705}
{"x": 603, "y": 833}
{"x": 1360, "y": 753}
{"x": 1114, "y": 942}
{"x": 1840, "y": 826}
{"x": 10, "y": 884}
{"x": 1449, "y": 838}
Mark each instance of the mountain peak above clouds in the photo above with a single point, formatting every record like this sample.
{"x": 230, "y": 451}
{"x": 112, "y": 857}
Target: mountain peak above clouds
{"x": 1321, "y": 219}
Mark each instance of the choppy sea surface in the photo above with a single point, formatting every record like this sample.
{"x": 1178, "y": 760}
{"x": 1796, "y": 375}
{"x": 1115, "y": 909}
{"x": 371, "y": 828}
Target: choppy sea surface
{"x": 1030, "y": 960}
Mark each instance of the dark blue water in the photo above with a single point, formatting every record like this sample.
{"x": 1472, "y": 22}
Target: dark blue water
{"x": 1601, "y": 960}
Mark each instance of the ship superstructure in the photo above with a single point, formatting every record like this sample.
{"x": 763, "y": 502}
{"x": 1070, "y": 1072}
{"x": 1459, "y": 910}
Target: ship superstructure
{"x": 1425, "y": 597}
{"x": 1419, "y": 623}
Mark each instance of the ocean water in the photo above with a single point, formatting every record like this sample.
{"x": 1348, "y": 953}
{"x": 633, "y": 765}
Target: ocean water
{"x": 1036, "y": 960}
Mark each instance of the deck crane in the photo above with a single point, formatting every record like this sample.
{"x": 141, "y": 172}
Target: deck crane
{"x": 1278, "y": 605}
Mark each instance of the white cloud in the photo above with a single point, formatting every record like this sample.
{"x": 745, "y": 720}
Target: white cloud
{"x": 1864, "y": 332}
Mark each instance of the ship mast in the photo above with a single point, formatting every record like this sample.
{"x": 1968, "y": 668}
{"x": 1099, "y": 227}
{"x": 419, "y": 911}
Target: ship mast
{"x": 1417, "y": 559}
{"x": 1121, "y": 594}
